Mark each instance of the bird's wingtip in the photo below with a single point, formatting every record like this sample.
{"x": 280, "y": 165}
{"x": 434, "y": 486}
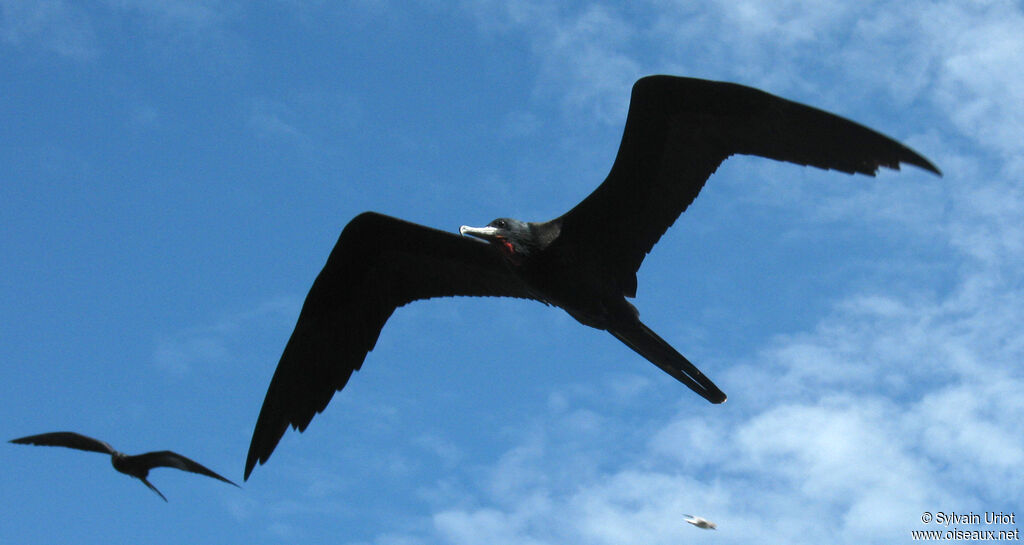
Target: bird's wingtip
{"x": 252, "y": 461}
{"x": 911, "y": 157}
{"x": 926, "y": 165}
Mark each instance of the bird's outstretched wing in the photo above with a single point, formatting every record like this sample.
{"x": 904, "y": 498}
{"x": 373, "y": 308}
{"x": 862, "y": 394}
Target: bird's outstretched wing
{"x": 678, "y": 130}
{"x": 68, "y": 439}
{"x": 166, "y": 458}
{"x": 378, "y": 264}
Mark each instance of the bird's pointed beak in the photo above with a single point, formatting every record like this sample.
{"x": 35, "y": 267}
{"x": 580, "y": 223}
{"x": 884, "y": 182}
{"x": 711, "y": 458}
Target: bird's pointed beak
{"x": 486, "y": 233}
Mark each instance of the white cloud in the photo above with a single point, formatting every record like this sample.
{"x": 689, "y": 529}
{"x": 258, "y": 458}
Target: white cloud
{"x": 827, "y": 455}
{"x": 897, "y": 401}
{"x": 978, "y": 43}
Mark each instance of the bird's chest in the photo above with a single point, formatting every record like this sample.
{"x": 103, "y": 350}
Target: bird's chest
{"x": 121, "y": 462}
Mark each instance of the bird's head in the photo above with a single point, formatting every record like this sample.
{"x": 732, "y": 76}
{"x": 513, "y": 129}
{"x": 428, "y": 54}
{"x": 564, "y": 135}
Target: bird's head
{"x": 515, "y": 238}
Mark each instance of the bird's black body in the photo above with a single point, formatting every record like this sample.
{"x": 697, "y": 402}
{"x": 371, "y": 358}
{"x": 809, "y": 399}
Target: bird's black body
{"x": 559, "y": 275}
{"x": 677, "y": 132}
{"x": 137, "y": 466}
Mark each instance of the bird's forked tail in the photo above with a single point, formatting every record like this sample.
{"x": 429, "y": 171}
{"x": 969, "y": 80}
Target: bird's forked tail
{"x": 648, "y": 344}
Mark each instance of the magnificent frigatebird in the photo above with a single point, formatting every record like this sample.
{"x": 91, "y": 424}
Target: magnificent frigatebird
{"x": 678, "y": 130}
{"x": 137, "y": 466}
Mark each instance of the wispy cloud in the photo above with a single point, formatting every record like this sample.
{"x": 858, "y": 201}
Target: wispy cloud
{"x": 223, "y": 342}
{"x": 187, "y": 14}
{"x": 585, "y": 52}
{"x": 269, "y": 120}
{"x": 51, "y": 25}
{"x": 70, "y": 29}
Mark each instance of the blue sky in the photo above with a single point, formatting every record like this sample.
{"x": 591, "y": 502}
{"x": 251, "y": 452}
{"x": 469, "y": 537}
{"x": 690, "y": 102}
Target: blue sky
{"x": 176, "y": 172}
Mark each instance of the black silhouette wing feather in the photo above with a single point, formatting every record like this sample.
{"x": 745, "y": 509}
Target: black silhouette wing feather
{"x": 67, "y": 439}
{"x": 166, "y": 458}
{"x": 378, "y": 264}
{"x": 678, "y": 130}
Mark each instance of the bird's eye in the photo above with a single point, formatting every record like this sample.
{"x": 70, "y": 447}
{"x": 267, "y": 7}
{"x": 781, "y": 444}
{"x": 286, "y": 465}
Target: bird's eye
{"x": 500, "y": 224}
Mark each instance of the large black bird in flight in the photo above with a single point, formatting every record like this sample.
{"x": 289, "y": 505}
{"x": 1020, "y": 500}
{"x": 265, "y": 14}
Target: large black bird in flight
{"x": 137, "y": 466}
{"x": 678, "y": 131}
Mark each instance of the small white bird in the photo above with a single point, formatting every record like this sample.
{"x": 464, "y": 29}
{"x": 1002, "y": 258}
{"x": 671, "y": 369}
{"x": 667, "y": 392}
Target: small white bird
{"x": 701, "y": 522}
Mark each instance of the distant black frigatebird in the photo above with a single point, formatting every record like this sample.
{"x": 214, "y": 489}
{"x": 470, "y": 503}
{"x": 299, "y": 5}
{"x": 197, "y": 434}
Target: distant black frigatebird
{"x": 678, "y": 130}
{"x": 137, "y": 466}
